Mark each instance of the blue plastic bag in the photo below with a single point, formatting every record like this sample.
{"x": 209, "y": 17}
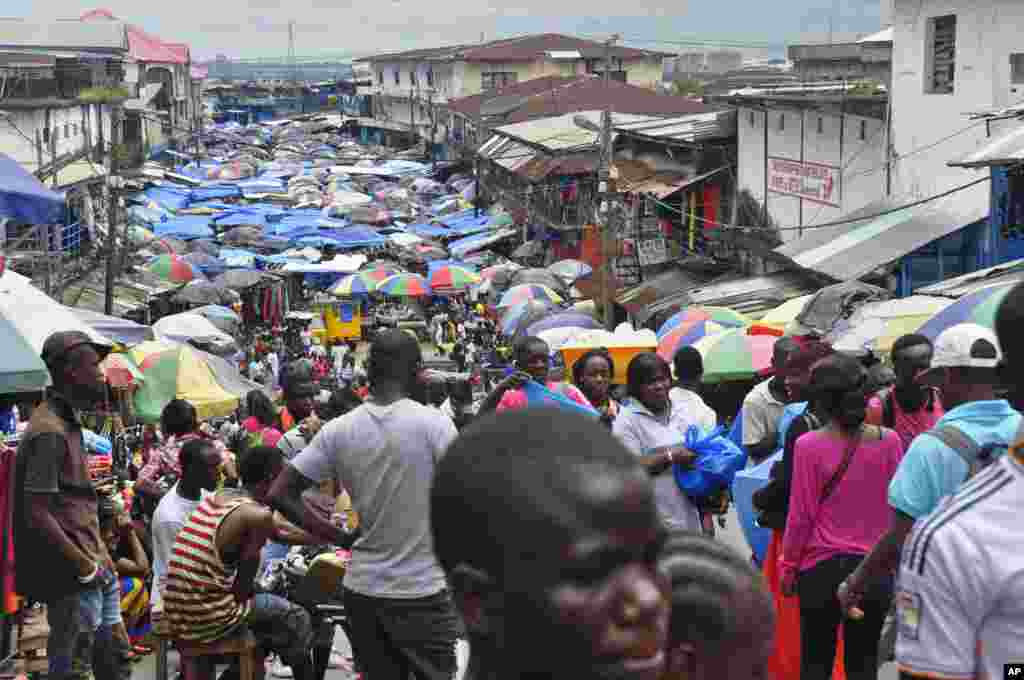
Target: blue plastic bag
{"x": 718, "y": 461}
{"x": 538, "y": 395}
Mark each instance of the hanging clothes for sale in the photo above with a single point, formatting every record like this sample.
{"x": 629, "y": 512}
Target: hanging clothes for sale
{"x": 7, "y": 496}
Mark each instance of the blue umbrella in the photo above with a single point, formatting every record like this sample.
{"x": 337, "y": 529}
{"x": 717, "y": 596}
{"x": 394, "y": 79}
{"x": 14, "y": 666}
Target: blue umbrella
{"x": 25, "y": 199}
{"x": 562, "y": 320}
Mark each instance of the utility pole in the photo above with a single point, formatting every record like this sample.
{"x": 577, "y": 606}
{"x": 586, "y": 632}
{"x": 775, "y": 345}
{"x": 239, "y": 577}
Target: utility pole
{"x": 606, "y": 194}
{"x": 412, "y": 112}
{"x": 113, "y": 181}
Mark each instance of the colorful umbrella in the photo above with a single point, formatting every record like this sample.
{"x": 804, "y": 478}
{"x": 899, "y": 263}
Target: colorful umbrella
{"x": 120, "y": 371}
{"x": 404, "y": 285}
{"x": 734, "y": 355}
{"x": 379, "y": 271}
{"x": 694, "y": 323}
{"x": 173, "y": 268}
{"x": 173, "y": 371}
{"x": 874, "y": 327}
{"x": 525, "y": 292}
{"x": 529, "y": 311}
{"x": 692, "y": 316}
{"x": 352, "y": 285}
{"x": 979, "y": 307}
{"x": 570, "y": 270}
{"x": 451, "y": 279}
{"x": 567, "y": 319}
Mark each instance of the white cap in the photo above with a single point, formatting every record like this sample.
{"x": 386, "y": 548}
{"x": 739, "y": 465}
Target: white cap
{"x": 966, "y": 345}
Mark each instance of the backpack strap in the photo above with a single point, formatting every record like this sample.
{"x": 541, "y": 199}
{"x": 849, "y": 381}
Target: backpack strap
{"x": 954, "y": 438}
{"x": 889, "y": 408}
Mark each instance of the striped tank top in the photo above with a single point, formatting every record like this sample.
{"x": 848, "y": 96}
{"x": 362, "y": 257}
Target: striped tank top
{"x": 199, "y": 605}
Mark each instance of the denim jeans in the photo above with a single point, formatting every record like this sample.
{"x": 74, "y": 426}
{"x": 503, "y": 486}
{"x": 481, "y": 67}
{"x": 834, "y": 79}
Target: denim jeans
{"x": 80, "y": 621}
{"x": 286, "y": 628}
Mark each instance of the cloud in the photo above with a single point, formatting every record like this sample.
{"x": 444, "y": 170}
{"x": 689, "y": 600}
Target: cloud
{"x": 250, "y": 28}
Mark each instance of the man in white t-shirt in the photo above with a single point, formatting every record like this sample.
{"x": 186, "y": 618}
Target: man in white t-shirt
{"x": 764, "y": 405}
{"x": 384, "y": 454}
{"x": 689, "y": 367}
{"x": 200, "y": 466}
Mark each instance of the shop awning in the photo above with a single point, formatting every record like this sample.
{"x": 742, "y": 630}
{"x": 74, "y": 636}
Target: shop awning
{"x": 882, "y": 232}
{"x": 1003, "y": 149}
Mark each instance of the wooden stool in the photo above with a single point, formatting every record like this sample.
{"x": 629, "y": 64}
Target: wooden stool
{"x": 197, "y": 665}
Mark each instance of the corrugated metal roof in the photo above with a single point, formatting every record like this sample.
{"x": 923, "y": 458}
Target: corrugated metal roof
{"x": 882, "y": 232}
{"x": 560, "y": 133}
{"x": 1008, "y": 272}
{"x": 1004, "y": 149}
{"x": 692, "y": 127}
{"x": 885, "y": 35}
{"x": 66, "y": 35}
{"x": 755, "y": 295}
{"x": 643, "y": 300}
{"x": 659, "y": 185}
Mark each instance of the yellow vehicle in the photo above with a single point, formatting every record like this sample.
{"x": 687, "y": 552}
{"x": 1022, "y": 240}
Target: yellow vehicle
{"x": 337, "y": 320}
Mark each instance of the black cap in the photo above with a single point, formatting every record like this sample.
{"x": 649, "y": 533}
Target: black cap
{"x": 61, "y": 343}
{"x": 297, "y": 379}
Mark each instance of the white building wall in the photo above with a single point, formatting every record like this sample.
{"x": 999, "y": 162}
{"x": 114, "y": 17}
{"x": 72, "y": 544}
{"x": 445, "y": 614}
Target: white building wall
{"x": 987, "y": 32}
{"x": 862, "y": 162}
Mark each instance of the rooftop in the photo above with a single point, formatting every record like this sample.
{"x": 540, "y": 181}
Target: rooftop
{"x": 141, "y": 45}
{"x": 554, "y": 96}
{"x": 63, "y": 35}
{"x": 521, "y": 48}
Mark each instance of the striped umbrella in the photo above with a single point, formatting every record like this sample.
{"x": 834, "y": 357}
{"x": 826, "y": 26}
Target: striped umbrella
{"x": 451, "y": 279}
{"x": 516, "y": 318}
{"x": 566, "y": 319}
{"x": 120, "y": 371}
{"x": 734, "y": 355}
{"x": 360, "y": 283}
{"x": 570, "y": 270}
{"x": 404, "y": 285}
{"x": 694, "y": 323}
{"x": 173, "y": 268}
{"x": 979, "y": 307}
{"x": 528, "y": 291}
{"x": 875, "y": 326}
{"x": 379, "y": 271}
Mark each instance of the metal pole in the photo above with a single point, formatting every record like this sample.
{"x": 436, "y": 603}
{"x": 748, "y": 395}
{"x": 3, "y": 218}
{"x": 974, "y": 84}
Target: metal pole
{"x": 112, "y": 207}
{"x": 604, "y": 195}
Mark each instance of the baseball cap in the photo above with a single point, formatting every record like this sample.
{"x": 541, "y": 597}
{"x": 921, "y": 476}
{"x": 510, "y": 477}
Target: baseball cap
{"x": 59, "y": 344}
{"x": 966, "y": 345}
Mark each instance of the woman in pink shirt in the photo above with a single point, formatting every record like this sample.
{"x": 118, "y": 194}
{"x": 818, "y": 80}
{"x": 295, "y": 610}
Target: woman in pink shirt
{"x": 838, "y": 510}
{"x": 533, "y": 362}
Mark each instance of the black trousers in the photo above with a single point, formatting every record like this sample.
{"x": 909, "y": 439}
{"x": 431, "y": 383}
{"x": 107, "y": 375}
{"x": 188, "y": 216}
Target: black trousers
{"x": 393, "y": 639}
{"x": 821, "y": 616}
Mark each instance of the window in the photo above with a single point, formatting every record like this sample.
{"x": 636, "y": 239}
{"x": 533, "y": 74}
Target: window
{"x": 941, "y": 67}
{"x": 782, "y": 122}
{"x": 863, "y": 130}
{"x": 430, "y": 77}
{"x": 751, "y": 119}
{"x": 821, "y": 125}
{"x": 67, "y": 129}
{"x": 46, "y": 135}
{"x": 1017, "y": 69}
{"x": 412, "y": 77}
{"x": 398, "y": 76}
{"x": 494, "y": 80}
{"x": 380, "y": 78}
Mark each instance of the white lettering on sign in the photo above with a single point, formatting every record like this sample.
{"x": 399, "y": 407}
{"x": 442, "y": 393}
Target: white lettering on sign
{"x": 652, "y": 251}
{"x": 812, "y": 181}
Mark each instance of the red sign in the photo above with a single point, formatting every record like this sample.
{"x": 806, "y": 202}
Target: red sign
{"x": 815, "y": 182}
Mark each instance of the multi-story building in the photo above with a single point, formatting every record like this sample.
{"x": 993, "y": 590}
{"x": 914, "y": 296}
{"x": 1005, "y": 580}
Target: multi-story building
{"x": 409, "y": 85}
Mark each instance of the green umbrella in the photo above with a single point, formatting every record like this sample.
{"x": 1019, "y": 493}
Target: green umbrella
{"x": 21, "y": 368}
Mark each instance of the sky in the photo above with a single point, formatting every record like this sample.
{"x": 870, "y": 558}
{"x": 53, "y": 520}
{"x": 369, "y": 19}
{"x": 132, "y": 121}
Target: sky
{"x": 258, "y": 28}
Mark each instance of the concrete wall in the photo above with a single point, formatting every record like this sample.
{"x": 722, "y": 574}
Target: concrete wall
{"x": 839, "y": 145}
{"x": 987, "y": 32}
{"x": 462, "y": 79}
{"x": 17, "y": 132}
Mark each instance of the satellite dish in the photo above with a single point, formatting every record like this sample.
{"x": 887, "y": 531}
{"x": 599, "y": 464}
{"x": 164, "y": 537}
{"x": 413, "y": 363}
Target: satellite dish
{"x": 501, "y": 105}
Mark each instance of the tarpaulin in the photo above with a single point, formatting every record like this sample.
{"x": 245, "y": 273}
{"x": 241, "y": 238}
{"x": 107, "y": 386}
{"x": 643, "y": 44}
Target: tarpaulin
{"x": 214, "y": 192}
{"x": 185, "y": 227}
{"x": 538, "y": 395}
{"x": 23, "y": 198}
{"x": 170, "y": 198}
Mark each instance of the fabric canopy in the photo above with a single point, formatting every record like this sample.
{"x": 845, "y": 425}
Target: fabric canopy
{"x": 120, "y": 330}
{"x": 23, "y": 198}
{"x": 21, "y": 368}
{"x": 36, "y": 315}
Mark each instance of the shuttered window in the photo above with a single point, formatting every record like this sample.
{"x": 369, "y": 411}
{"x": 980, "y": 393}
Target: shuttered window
{"x": 942, "y": 55}
{"x": 1017, "y": 69}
